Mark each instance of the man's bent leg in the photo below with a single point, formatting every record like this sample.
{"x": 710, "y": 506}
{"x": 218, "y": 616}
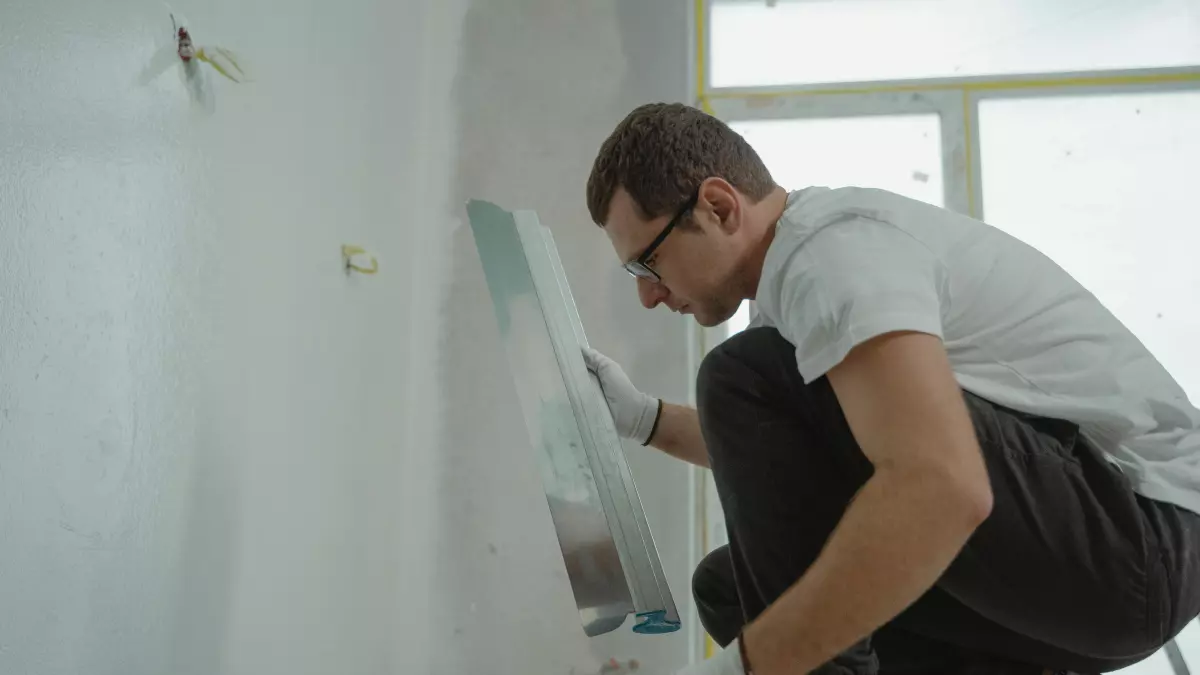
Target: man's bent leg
{"x": 1097, "y": 575}
{"x": 900, "y": 652}
{"x": 1058, "y": 576}
{"x": 783, "y": 480}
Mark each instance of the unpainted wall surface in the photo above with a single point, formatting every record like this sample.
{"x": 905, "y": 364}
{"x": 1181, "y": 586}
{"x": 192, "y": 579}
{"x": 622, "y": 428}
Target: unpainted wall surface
{"x": 540, "y": 85}
{"x": 217, "y": 450}
{"x": 221, "y": 454}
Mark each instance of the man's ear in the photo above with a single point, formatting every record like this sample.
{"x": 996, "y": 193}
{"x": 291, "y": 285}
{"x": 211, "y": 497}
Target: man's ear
{"x": 721, "y": 200}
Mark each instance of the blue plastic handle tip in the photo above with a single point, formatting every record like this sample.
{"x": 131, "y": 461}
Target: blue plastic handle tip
{"x": 655, "y": 623}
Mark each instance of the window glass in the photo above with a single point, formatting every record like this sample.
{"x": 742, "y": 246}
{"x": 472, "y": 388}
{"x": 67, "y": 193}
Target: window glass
{"x": 815, "y": 41}
{"x": 901, "y": 153}
{"x": 1105, "y": 185}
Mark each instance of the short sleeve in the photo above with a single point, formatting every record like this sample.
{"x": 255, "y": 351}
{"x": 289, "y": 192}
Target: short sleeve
{"x": 852, "y": 281}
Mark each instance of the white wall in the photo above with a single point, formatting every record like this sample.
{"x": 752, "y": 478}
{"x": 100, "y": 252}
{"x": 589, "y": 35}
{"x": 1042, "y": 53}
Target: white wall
{"x": 216, "y": 451}
{"x": 218, "y": 454}
{"x": 539, "y": 88}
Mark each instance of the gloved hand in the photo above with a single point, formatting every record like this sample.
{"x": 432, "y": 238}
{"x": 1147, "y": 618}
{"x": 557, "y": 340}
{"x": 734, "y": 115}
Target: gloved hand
{"x": 633, "y": 412}
{"x": 727, "y": 662}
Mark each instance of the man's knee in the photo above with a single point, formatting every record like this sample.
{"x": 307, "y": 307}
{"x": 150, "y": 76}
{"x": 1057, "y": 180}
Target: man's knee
{"x": 755, "y": 372}
{"x": 750, "y": 394}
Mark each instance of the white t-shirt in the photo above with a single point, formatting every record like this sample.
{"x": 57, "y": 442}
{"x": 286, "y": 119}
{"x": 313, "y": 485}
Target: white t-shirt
{"x": 850, "y": 264}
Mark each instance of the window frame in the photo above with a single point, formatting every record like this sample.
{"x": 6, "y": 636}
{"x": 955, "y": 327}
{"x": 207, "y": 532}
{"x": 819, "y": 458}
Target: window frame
{"x": 948, "y": 105}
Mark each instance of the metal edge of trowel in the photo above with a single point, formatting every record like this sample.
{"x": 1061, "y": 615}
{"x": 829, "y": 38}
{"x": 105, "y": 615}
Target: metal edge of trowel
{"x": 657, "y": 613}
{"x": 493, "y": 226}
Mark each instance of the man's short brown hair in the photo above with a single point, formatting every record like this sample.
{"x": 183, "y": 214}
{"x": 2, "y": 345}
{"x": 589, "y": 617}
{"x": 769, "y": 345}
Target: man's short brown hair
{"x": 661, "y": 152}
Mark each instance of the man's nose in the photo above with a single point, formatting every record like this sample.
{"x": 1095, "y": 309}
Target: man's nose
{"x": 651, "y": 293}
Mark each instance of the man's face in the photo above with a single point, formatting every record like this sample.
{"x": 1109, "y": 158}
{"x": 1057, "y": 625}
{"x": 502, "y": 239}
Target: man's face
{"x": 694, "y": 262}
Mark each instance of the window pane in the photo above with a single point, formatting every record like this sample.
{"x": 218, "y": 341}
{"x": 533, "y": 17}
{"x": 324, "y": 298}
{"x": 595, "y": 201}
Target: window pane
{"x": 807, "y": 41}
{"x": 1105, "y": 185}
{"x": 901, "y": 153}
{"x": 739, "y": 321}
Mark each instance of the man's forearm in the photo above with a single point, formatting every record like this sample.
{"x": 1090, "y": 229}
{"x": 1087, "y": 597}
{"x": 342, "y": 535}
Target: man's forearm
{"x": 895, "y": 540}
{"x": 678, "y": 434}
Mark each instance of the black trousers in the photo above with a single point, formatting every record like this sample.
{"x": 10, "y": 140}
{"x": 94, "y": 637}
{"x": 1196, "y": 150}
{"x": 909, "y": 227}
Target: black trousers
{"x": 1071, "y": 570}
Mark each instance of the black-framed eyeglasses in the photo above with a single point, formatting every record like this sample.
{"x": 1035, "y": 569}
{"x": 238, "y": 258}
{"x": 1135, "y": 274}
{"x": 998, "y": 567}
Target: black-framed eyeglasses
{"x": 639, "y": 266}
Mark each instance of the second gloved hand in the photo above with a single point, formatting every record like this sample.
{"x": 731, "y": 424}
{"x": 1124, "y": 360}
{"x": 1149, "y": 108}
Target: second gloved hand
{"x": 634, "y": 413}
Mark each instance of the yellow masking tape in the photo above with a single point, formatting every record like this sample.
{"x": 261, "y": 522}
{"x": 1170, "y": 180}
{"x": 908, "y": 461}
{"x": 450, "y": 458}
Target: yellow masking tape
{"x": 348, "y": 253}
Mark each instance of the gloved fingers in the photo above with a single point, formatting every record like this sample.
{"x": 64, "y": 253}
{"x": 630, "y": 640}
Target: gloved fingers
{"x": 593, "y": 360}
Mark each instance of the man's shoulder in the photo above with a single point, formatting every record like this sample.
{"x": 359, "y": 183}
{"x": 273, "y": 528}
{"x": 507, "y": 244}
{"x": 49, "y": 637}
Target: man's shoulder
{"x": 842, "y": 222}
{"x": 845, "y": 245}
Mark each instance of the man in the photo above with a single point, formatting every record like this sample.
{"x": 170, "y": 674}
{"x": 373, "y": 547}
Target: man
{"x": 936, "y": 452}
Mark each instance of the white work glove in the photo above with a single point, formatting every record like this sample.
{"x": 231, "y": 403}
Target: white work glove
{"x": 634, "y": 413}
